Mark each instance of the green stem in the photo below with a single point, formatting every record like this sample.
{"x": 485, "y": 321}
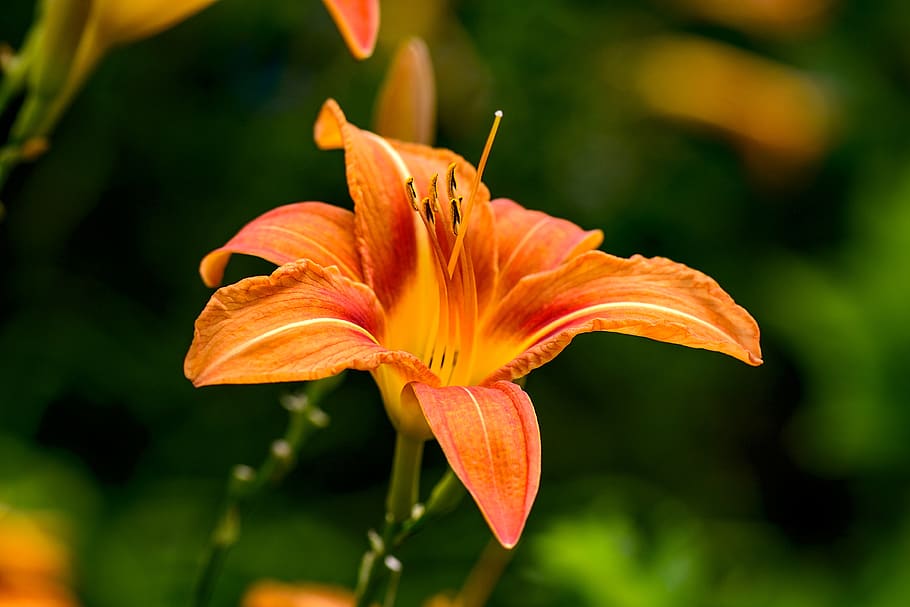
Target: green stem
{"x": 245, "y": 483}
{"x": 405, "y": 482}
{"x": 14, "y": 74}
{"x": 404, "y": 486}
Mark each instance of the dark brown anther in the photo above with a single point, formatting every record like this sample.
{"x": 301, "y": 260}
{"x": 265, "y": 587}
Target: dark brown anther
{"x": 450, "y": 181}
{"x": 434, "y": 193}
{"x": 456, "y": 214}
{"x": 412, "y": 192}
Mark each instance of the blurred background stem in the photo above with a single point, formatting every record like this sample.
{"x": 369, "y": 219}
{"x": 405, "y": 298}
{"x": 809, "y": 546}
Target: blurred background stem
{"x": 246, "y": 483}
{"x": 484, "y": 575}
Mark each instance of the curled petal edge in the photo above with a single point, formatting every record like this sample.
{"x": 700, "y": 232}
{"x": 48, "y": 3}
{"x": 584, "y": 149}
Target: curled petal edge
{"x": 317, "y": 231}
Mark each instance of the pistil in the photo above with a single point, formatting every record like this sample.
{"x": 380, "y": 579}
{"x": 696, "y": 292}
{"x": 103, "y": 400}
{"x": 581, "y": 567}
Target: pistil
{"x": 465, "y": 215}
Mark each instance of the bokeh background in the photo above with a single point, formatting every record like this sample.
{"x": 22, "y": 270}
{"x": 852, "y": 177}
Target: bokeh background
{"x": 764, "y": 143}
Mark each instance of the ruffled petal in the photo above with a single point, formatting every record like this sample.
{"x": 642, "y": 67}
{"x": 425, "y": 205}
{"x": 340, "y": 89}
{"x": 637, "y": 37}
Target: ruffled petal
{"x": 358, "y": 22}
{"x": 655, "y": 298}
{"x": 303, "y": 322}
{"x": 316, "y": 231}
{"x": 530, "y": 241}
{"x": 491, "y": 439}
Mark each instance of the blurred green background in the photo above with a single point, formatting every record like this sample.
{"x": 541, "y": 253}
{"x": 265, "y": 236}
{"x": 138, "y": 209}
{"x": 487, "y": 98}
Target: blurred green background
{"x": 670, "y": 476}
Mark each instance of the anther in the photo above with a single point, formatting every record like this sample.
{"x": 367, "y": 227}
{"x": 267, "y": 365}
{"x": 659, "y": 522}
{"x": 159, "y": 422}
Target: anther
{"x": 456, "y": 214}
{"x": 428, "y": 211}
{"x": 412, "y": 192}
{"x": 450, "y": 181}
{"x": 434, "y": 193}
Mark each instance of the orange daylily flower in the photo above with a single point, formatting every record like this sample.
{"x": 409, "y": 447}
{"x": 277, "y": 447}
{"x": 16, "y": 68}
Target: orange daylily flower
{"x": 445, "y": 297}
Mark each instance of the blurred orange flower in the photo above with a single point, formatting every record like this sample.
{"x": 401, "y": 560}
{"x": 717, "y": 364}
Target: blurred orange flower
{"x": 444, "y": 299}
{"x": 34, "y": 564}
{"x": 277, "y": 594}
{"x": 769, "y": 109}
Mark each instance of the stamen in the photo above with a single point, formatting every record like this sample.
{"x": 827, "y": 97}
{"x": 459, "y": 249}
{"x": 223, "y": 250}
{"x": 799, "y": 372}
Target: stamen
{"x": 456, "y": 215}
{"x": 434, "y": 193}
{"x": 428, "y": 211}
{"x": 450, "y": 181}
{"x": 459, "y": 241}
{"x": 412, "y": 192}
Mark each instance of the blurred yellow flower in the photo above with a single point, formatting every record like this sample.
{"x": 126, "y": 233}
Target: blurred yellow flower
{"x": 766, "y": 16}
{"x": 118, "y": 22}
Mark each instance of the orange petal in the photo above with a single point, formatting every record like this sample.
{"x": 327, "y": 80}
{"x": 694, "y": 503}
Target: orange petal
{"x": 306, "y": 230}
{"x": 358, "y": 22}
{"x": 301, "y": 323}
{"x": 406, "y": 106}
{"x": 531, "y": 241}
{"x": 655, "y": 298}
{"x": 490, "y": 437}
{"x": 386, "y": 225}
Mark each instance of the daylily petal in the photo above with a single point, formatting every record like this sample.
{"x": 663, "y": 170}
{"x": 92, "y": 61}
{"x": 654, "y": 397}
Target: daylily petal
{"x": 305, "y": 230}
{"x": 655, "y": 298}
{"x": 406, "y": 106}
{"x": 531, "y": 242}
{"x": 387, "y": 228}
{"x": 301, "y": 323}
{"x": 492, "y": 442}
{"x": 358, "y": 22}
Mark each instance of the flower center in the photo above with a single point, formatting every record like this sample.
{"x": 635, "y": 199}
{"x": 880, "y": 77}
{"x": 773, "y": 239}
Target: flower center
{"x": 448, "y": 348}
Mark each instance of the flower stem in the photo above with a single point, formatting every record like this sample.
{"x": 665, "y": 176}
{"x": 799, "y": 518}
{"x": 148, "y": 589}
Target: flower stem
{"x": 245, "y": 483}
{"x": 404, "y": 486}
{"x": 480, "y": 583}
{"x": 405, "y": 482}
{"x": 15, "y": 67}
